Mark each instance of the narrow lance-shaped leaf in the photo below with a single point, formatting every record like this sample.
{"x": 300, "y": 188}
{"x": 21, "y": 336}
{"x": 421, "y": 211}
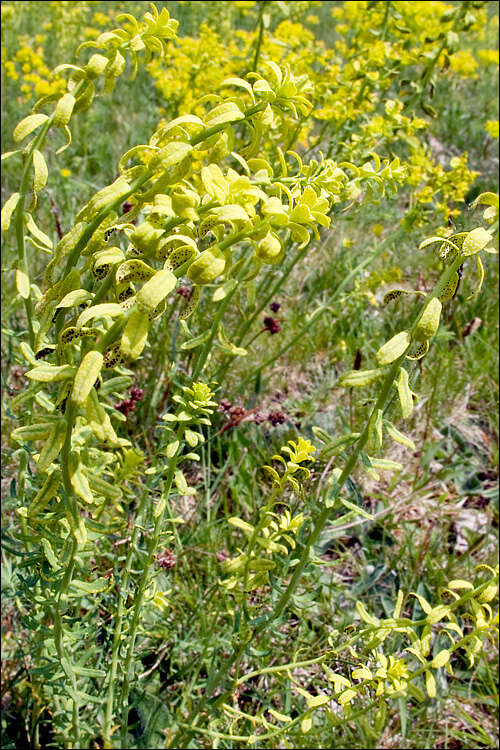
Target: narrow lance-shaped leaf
{"x": 86, "y": 376}
{"x": 405, "y": 394}
{"x": 135, "y": 335}
{"x": 28, "y": 125}
{"x": 394, "y": 348}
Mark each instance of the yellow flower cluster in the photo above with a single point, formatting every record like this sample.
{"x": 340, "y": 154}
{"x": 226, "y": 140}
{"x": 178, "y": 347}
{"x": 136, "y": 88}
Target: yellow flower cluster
{"x": 29, "y": 64}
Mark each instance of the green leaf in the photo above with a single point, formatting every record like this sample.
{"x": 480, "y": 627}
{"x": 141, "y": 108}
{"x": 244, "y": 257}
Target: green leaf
{"x": 226, "y": 112}
{"x": 23, "y": 284}
{"x": 76, "y": 297}
{"x": 360, "y": 511}
{"x": 40, "y": 171}
{"x": 196, "y": 341}
{"x": 476, "y": 241}
{"x": 92, "y": 587}
{"x": 155, "y": 290}
{"x": 359, "y": 378}
{"x": 394, "y": 348}
{"x": 46, "y": 373}
{"x": 8, "y": 209}
{"x": 384, "y": 464}
{"x": 398, "y": 436}
{"x": 442, "y": 658}
{"x": 365, "y": 616}
{"x": 405, "y": 394}
{"x": 86, "y": 376}
{"x": 49, "y": 554}
{"x": 88, "y": 672}
{"x": 111, "y": 309}
{"x": 37, "y": 232}
{"x": 240, "y": 524}
{"x": 28, "y": 125}
{"x": 135, "y": 335}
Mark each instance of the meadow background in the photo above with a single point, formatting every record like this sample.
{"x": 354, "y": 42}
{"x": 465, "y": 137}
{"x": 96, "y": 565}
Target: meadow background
{"x": 435, "y": 518}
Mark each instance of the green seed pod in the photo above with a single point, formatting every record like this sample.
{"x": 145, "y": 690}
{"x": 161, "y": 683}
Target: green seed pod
{"x": 62, "y": 396}
{"x": 116, "y": 66}
{"x": 392, "y": 295}
{"x": 126, "y": 304}
{"x": 45, "y": 351}
{"x": 185, "y": 202}
{"x": 161, "y": 211}
{"x": 158, "y": 310}
{"x": 86, "y": 375}
{"x": 169, "y": 156}
{"x": 211, "y": 224}
{"x": 269, "y": 249}
{"x": 85, "y": 99}
{"x": 104, "y": 259}
{"x": 100, "y": 236}
{"x": 209, "y": 264}
{"x": 40, "y": 170}
{"x": 405, "y": 394}
{"x": 8, "y": 209}
{"x": 64, "y": 110}
{"x": 95, "y": 415}
{"x": 78, "y": 479}
{"x": 429, "y": 322}
{"x": 360, "y": 378}
{"x": 28, "y": 125}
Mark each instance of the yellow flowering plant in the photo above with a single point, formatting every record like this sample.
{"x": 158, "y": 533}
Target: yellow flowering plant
{"x": 196, "y": 218}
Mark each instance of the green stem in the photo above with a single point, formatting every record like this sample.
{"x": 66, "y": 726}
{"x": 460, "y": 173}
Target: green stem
{"x": 19, "y": 223}
{"x": 139, "y": 596}
{"x": 319, "y": 523}
{"x": 277, "y": 285}
{"x": 202, "y": 357}
{"x": 383, "y": 398}
{"x": 326, "y": 308}
{"x": 117, "y": 635}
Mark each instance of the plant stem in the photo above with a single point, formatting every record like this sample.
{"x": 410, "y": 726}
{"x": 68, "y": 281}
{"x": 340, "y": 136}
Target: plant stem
{"x": 117, "y": 634}
{"x": 202, "y": 357}
{"x": 139, "y": 595}
{"x": 319, "y": 523}
{"x": 333, "y": 297}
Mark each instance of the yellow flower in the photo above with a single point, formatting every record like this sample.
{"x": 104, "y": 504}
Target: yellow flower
{"x": 65, "y": 172}
{"x": 488, "y": 56}
{"x": 492, "y": 128}
{"x": 463, "y": 63}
